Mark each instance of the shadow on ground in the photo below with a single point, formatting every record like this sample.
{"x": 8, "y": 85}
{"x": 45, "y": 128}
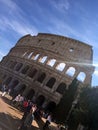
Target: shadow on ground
{"x": 10, "y": 122}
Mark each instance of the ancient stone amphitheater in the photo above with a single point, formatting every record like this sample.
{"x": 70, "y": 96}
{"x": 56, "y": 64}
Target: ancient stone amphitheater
{"x": 42, "y": 67}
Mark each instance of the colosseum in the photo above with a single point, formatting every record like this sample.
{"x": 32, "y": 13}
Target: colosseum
{"x": 42, "y": 67}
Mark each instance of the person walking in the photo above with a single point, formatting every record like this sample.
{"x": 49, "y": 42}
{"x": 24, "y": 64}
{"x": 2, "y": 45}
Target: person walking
{"x": 27, "y": 122}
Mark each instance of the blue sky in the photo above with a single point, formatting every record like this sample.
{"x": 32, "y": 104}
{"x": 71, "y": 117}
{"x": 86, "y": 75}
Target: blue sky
{"x": 77, "y": 19}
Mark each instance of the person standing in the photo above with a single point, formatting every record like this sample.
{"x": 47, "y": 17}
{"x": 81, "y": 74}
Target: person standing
{"x": 27, "y": 122}
{"x": 48, "y": 122}
{"x": 27, "y": 110}
{"x": 4, "y": 90}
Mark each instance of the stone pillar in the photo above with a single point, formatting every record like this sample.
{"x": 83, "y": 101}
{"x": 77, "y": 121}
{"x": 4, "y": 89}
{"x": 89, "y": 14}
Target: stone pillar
{"x": 65, "y": 69}
{"x": 54, "y": 87}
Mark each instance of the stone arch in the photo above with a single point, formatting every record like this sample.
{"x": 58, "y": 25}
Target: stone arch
{"x": 32, "y": 73}
{"x": 14, "y": 83}
{"x": 50, "y": 106}
{"x": 24, "y": 54}
{"x": 51, "y": 62}
{"x": 41, "y": 77}
{"x": 30, "y": 55}
{"x": 25, "y": 69}
{"x": 8, "y": 80}
{"x": 51, "y": 82}
{"x": 18, "y": 66}
{"x": 61, "y": 88}
{"x": 42, "y": 59}
{"x": 81, "y": 76}
{"x": 40, "y": 100}
{"x": 12, "y": 86}
{"x": 36, "y": 57}
{"x": 30, "y": 94}
{"x": 20, "y": 88}
{"x": 60, "y": 66}
{"x": 12, "y": 65}
{"x": 71, "y": 71}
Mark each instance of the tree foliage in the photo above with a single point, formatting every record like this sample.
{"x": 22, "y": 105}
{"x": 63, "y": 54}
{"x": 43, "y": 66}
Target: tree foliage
{"x": 87, "y": 111}
{"x": 61, "y": 111}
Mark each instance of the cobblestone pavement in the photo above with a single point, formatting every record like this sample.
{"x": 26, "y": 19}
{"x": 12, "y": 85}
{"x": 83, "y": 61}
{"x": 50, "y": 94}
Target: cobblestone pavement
{"x": 10, "y": 116}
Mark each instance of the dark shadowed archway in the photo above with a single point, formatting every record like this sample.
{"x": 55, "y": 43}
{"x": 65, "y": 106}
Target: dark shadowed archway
{"x": 51, "y": 106}
{"x": 30, "y": 94}
{"x": 8, "y": 80}
{"x": 12, "y": 87}
{"x": 14, "y": 84}
{"x": 61, "y": 88}
{"x": 40, "y": 100}
{"x": 20, "y": 88}
{"x": 18, "y": 66}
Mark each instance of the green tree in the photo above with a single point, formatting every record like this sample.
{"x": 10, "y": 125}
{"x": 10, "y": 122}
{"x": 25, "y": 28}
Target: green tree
{"x": 87, "y": 109}
{"x": 63, "y": 108}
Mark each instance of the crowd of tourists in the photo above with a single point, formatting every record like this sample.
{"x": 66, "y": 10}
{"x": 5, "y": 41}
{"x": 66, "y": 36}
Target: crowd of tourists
{"x": 30, "y": 111}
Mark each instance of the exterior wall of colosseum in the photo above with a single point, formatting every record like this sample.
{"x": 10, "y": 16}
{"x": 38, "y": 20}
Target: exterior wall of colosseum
{"x": 43, "y": 66}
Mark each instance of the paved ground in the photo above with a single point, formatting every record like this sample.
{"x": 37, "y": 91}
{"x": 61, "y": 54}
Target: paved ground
{"x": 10, "y": 116}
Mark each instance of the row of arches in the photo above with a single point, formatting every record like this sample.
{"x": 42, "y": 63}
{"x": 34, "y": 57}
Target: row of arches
{"x": 52, "y": 62}
{"x": 38, "y": 76}
{"x": 19, "y": 88}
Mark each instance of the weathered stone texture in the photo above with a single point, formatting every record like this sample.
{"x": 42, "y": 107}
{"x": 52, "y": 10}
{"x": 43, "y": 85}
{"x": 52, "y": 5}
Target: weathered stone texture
{"x": 24, "y": 65}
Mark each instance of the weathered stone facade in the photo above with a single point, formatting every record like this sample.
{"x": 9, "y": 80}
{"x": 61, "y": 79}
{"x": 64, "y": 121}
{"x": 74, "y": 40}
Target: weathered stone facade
{"x": 43, "y": 66}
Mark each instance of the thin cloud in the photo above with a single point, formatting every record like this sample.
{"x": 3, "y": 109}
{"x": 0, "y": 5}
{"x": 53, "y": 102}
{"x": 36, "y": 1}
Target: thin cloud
{"x": 17, "y": 26}
{"x": 17, "y": 22}
{"x": 21, "y": 28}
{"x": 62, "y": 5}
{"x": 9, "y": 3}
{"x": 95, "y": 64}
{"x": 96, "y": 72}
{"x": 64, "y": 28}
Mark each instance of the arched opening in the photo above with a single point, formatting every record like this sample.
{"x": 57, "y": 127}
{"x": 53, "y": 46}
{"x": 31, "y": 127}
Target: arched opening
{"x": 24, "y": 54}
{"x": 60, "y": 66}
{"x": 20, "y": 88}
{"x": 18, "y": 66}
{"x": 70, "y": 71}
{"x": 51, "y": 106}
{"x": 41, "y": 77}
{"x": 12, "y": 87}
{"x": 36, "y": 57}
{"x": 61, "y": 88}
{"x": 30, "y": 94}
{"x": 13, "y": 64}
{"x": 42, "y": 59}
{"x": 30, "y": 55}
{"x": 51, "y": 62}
{"x": 32, "y": 73}
{"x": 40, "y": 100}
{"x": 14, "y": 84}
{"x": 51, "y": 82}
{"x": 81, "y": 77}
{"x": 8, "y": 80}
{"x": 25, "y": 69}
